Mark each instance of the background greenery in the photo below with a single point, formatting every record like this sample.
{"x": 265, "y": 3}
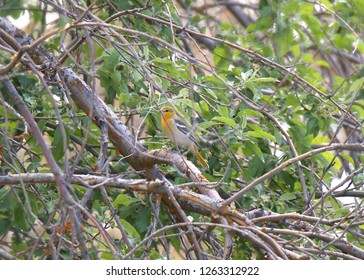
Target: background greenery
{"x": 260, "y": 82}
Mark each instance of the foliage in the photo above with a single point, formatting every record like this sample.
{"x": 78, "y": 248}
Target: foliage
{"x": 260, "y": 85}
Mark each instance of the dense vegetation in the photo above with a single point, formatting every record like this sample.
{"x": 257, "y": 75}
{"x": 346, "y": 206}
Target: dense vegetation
{"x": 273, "y": 91}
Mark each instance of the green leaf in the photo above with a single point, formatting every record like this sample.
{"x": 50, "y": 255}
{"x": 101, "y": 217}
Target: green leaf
{"x": 13, "y": 8}
{"x": 5, "y": 223}
{"x": 254, "y": 147}
{"x": 348, "y": 158}
{"x": 223, "y": 111}
{"x": 142, "y": 220}
{"x": 322, "y": 63}
{"x": 130, "y": 229}
{"x": 278, "y": 136}
{"x": 112, "y": 61}
{"x": 291, "y": 7}
{"x": 246, "y": 76}
{"x": 121, "y": 199}
{"x": 170, "y": 66}
{"x": 330, "y": 158}
{"x": 334, "y": 203}
{"x": 154, "y": 255}
{"x": 265, "y": 80}
{"x": 256, "y": 166}
{"x": 297, "y": 131}
{"x": 107, "y": 256}
{"x": 161, "y": 60}
{"x": 19, "y": 218}
{"x": 287, "y": 197}
{"x": 261, "y": 134}
{"x": 207, "y": 124}
{"x": 359, "y": 179}
{"x": 338, "y": 207}
{"x": 58, "y": 143}
{"x": 176, "y": 243}
{"x": 297, "y": 186}
{"x": 313, "y": 126}
{"x": 222, "y": 55}
{"x": 226, "y": 120}
{"x": 283, "y": 36}
{"x": 244, "y": 120}
{"x": 359, "y": 110}
{"x": 306, "y": 8}
{"x": 320, "y": 139}
{"x": 350, "y": 237}
{"x": 354, "y": 89}
{"x": 255, "y": 127}
{"x": 250, "y": 112}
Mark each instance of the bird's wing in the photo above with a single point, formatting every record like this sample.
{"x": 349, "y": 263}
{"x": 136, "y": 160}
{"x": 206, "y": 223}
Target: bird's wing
{"x": 183, "y": 128}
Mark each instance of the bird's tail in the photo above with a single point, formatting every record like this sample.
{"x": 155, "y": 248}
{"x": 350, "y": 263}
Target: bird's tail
{"x": 200, "y": 158}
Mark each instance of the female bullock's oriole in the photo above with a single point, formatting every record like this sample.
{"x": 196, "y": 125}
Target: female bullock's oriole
{"x": 177, "y": 131}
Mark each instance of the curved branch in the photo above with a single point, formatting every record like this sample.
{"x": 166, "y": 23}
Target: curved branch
{"x": 282, "y": 166}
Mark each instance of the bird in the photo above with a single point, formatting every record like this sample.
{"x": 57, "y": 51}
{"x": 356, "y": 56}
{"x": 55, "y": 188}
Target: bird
{"x": 179, "y": 134}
